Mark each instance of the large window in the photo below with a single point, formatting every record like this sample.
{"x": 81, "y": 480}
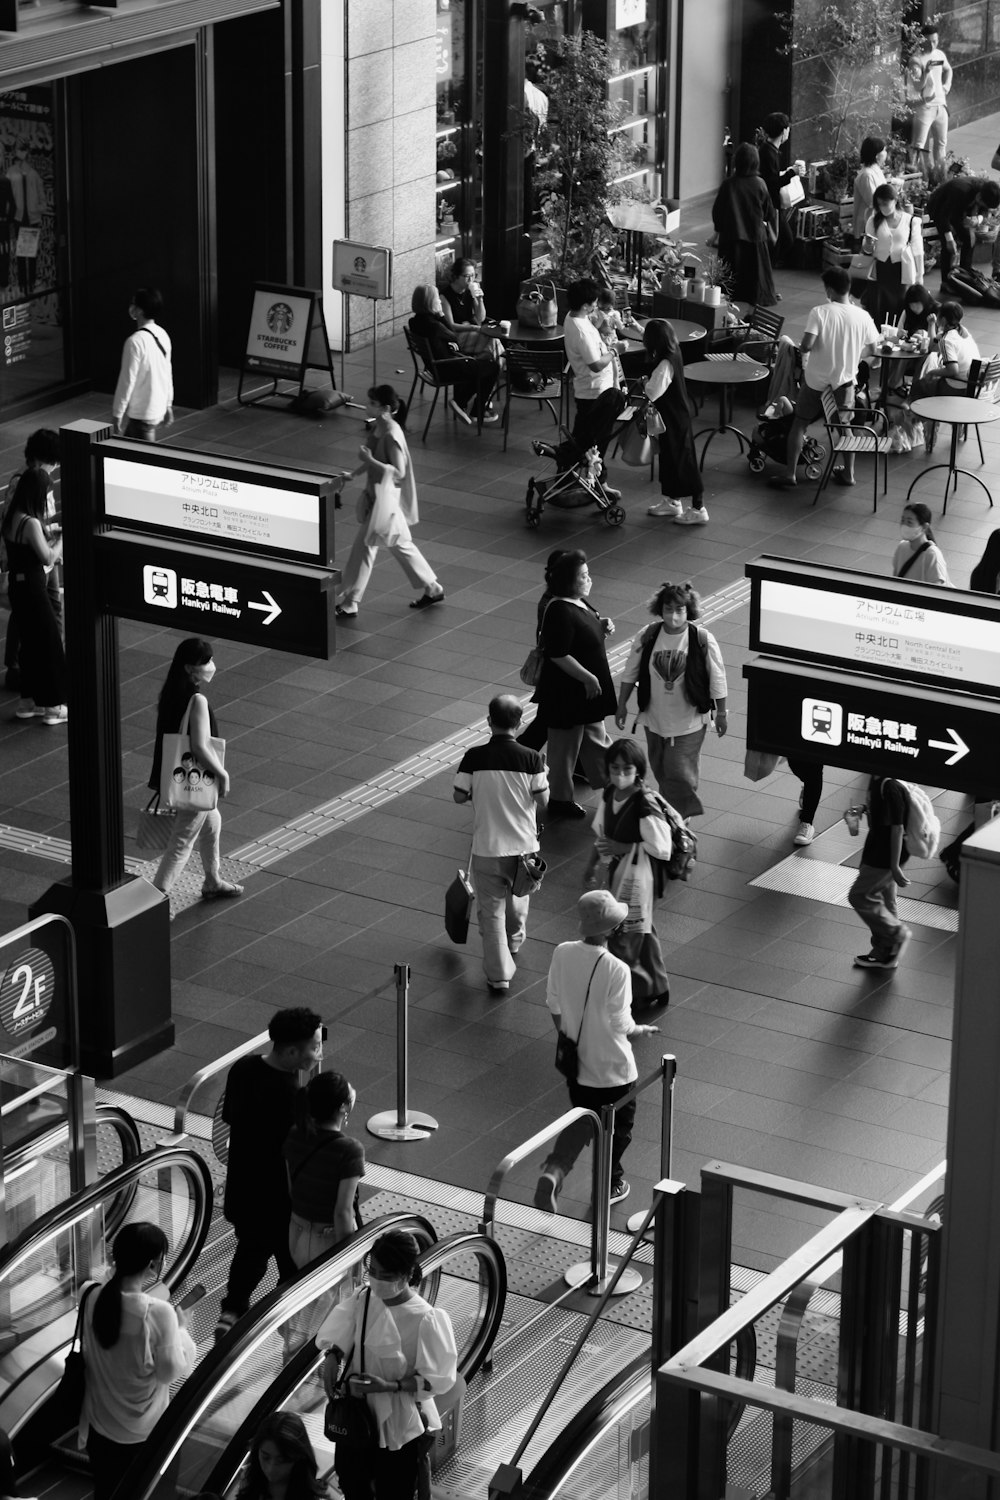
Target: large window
{"x": 459, "y": 155}
{"x": 633, "y": 87}
{"x": 31, "y": 293}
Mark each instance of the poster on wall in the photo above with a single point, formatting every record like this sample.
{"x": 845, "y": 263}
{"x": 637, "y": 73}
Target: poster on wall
{"x": 27, "y": 197}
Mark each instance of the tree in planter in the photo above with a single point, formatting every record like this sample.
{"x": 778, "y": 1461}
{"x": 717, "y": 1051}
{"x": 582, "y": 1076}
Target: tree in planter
{"x": 578, "y": 157}
{"x": 850, "y": 52}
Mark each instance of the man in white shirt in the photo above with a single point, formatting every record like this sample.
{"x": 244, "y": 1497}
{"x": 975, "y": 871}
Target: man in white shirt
{"x": 599, "y": 402}
{"x": 838, "y": 336}
{"x": 144, "y": 395}
{"x": 507, "y": 784}
{"x": 930, "y": 76}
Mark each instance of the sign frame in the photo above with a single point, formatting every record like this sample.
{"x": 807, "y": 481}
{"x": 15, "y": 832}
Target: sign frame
{"x": 54, "y": 936}
{"x": 966, "y": 724}
{"x": 321, "y": 487}
{"x": 313, "y": 348}
{"x": 304, "y": 597}
{"x": 824, "y": 577}
{"x": 347, "y": 278}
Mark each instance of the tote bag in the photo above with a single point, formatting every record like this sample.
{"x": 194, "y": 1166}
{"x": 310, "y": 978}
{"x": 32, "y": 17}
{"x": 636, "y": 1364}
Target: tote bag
{"x": 185, "y": 785}
{"x": 387, "y": 524}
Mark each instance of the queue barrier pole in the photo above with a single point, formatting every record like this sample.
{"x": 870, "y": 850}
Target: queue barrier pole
{"x": 402, "y": 1124}
{"x": 668, "y": 1068}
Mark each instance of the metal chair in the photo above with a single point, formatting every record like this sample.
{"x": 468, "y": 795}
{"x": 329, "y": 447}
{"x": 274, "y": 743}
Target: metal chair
{"x": 844, "y": 438}
{"x": 984, "y": 385}
{"x": 437, "y": 374}
{"x": 756, "y": 340}
{"x": 537, "y": 374}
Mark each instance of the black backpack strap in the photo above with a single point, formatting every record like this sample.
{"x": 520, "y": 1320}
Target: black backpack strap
{"x": 911, "y": 560}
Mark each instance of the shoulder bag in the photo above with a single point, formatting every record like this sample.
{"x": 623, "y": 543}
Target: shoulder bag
{"x": 529, "y": 874}
{"x": 568, "y": 1050}
{"x": 349, "y": 1421}
{"x": 72, "y": 1386}
{"x": 911, "y": 560}
{"x": 531, "y": 668}
{"x": 185, "y": 785}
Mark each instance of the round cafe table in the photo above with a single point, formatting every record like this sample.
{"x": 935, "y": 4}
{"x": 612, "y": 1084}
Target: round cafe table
{"x": 725, "y": 374}
{"x": 525, "y": 333}
{"x": 956, "y": 412}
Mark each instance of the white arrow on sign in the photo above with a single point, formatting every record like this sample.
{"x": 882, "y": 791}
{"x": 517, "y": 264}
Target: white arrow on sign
{"x": 274, "y": 607}
{"x": 956, "y": 745}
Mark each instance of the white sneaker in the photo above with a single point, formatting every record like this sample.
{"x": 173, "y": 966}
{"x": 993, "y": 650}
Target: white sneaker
{"x": 58, "y": 714}
{"x": 666, "y": 508}
{"x": 805, "y": 835}
{"x": 692, "y": 517}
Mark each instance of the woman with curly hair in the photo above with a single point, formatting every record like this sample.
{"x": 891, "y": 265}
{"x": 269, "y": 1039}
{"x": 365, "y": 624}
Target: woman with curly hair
{"x": 678, "y": 669}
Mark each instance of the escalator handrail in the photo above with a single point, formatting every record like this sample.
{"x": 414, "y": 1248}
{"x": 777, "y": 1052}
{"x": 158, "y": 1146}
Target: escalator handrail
{"x": 292, "y": 1375}
{"x": 75, "y": 1209}
{"x": 105, "y": 1114}
{"x": 264, "y": 1318}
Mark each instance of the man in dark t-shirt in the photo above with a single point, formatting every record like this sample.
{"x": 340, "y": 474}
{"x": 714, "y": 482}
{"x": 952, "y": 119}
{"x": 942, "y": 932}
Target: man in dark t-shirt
{"x": 259, "y": 1108}
{"x": 949, "y": 207}
{"x": 873, "y": 894}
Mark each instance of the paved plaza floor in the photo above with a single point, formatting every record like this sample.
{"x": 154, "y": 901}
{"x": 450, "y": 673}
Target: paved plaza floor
{"x": 789, "y": 1060}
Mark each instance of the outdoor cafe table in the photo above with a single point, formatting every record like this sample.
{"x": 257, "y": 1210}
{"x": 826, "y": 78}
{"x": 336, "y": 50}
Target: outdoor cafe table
{"x": 724, "y": 373}
{"x": 956, "y": 412}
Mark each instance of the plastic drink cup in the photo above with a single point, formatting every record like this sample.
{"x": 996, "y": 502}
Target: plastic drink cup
{"x": 504, "y": 325}
{"x": 852, "y": 818}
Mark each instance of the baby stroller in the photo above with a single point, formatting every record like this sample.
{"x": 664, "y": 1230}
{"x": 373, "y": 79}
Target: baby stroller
{"x": 769, "y": 439}
{"x": 577, "y": 482}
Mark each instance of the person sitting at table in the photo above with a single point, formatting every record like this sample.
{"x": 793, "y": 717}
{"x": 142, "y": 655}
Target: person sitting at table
{"x": 464, "y": 310}
{"x": 920, "y": 311}
{"x": 946, "y": 369}
{"x": 894, "y": 240}
{"x": 837, "y": 337}
{"x": 474, "y": 376}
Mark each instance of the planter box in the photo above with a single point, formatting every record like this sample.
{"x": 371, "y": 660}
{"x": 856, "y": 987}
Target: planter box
{"x": 665, "y": 306}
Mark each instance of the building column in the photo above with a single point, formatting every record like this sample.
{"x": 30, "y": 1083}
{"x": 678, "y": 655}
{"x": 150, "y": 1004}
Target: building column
{"x": 506, "y": 246}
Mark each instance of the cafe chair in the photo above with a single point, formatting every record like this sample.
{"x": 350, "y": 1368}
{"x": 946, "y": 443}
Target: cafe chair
{"x": 872, "y": 438}
{"x": 756, "y": 339}
{"x": 984, "y": 385}
{"x": 435, "y": 374}
{"x": 536, "y": 374}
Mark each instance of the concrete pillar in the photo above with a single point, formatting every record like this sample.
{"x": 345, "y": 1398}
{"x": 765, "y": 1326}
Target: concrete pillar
{"x": 967, "y": 1359}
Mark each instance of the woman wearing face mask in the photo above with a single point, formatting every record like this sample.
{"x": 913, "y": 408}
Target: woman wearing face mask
{"x": 678, "y": 669}
{"x": 894, "y": 240}
{"x": 918, "y": 556}
{"x": 135, "y": 1344}
{"x": 191, "y": 671}
{"x": 629, "y": 826}
{"x": 575, "y": 692}
{"x": 409, "y": 1358}
{"x": 282, "y": 1464}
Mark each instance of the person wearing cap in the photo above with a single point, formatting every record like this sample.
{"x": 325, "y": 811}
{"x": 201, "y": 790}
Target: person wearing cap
{"x": 590, "y": 997}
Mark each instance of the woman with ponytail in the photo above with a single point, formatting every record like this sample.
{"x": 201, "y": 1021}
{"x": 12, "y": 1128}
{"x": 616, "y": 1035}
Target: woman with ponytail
{"x": 324, "y": 1168}
{"x": 135, "y": 1344}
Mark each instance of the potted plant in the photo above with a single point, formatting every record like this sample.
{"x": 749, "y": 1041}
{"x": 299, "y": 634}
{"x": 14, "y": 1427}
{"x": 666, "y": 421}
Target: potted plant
{"x": 718, "y": 277}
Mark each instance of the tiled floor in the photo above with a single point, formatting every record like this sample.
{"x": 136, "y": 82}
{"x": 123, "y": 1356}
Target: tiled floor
{"x": 789, "y": 1060}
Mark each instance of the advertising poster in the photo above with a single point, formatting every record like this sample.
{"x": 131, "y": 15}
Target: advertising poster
{"x": 278, "y": 338}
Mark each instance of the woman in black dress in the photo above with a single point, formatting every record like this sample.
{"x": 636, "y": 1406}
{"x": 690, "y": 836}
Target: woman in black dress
{"x": 665, "y": 387}
{"x": 747, "y": 222}
{"x": 29, "y": 558}
{"x": 576, "y": 692}
{"x": 473, "y": 376}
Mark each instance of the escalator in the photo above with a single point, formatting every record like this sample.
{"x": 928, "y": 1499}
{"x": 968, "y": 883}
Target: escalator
{"x": 269, "y": 1362}
{"x": 43, "y": 1271}
{"x": 36, "y": 1168}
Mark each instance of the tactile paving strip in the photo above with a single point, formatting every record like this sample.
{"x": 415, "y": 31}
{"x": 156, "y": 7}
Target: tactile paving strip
{"x": 819, "y": 881}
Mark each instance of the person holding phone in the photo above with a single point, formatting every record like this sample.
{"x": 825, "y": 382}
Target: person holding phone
{"x": 135, "y": 1345}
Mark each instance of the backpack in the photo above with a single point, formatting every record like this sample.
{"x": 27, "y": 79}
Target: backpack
{"x": 923, "y": 826}
{"x": 683, "y": 847}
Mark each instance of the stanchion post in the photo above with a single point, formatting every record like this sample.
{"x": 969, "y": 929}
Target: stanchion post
{"x": 402, "y": 1124}
{"x": 630, "y": 1279}
{"x": 668, "y": 1072}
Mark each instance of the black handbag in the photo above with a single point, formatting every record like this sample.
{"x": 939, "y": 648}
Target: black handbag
{"x": 457, "y": 907}
{"x": 72, "y": 1385}
{"x": 349, "y": 1421}
{"x": 567, "y": 1050}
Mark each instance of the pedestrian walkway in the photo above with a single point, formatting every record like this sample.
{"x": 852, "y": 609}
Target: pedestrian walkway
{"x": 341, "y": 811}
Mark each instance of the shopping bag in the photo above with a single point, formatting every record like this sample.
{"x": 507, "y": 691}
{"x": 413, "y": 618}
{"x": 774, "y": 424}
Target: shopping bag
{"x": 636, "y": 446}
{"x": 155, "y": 825}
{"x": 633, "y": 886}
{"x": 792, "y": 193}
{"x": 458, "y": 900}
{"x": 387, "y": 524}
{"x": 537, "y": 306}
{"x": 185, "y": 785}
{"x": 759, "y": 763}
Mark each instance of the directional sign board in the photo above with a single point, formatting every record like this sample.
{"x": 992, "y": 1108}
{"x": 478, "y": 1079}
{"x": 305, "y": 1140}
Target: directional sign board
{"x": 221, "y": 501}
{"x": 935, "y": 738}
{"x": 205, "y": 591}
{"x": 886, "y": 626}
{"x": 37, "y": 993}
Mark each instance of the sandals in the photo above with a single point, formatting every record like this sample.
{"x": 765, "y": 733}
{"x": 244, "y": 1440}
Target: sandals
{"x": 841, "y": 477}
{"x": 224, "y": 892}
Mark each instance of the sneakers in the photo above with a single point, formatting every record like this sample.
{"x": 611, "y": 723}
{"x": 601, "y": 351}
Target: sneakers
{"x": 490, "y": 416}
{"x": 872, "y": 961}
{"x": 619, "y": 1190}
{"x": 666, "y": 508}
{"x": 460, "y": 412}
{"x": 565, "y": 810}
{"x": 547, "y": 1190}
{"x": 227, "y": 1320}
{"x": 56, "y": 715}
{"x": 26, "y": 709}
{"x": 692, "y": 517}
{"x": 805, "y": 835}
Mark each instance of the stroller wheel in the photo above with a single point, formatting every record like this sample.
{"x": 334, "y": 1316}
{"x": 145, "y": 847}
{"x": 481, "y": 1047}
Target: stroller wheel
{"x": 813, "y": 471}
{"x": 614, "y": 515}
{"x": 533, "y": 519}
{"x": 756, "y": 462}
